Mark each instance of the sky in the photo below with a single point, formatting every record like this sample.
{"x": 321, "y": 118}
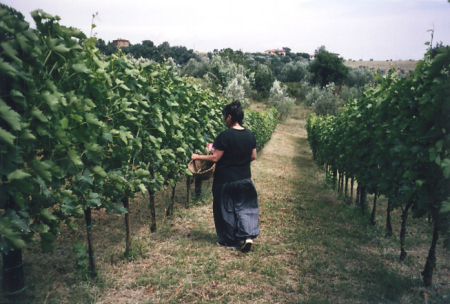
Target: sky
{"x": 354, "y": 29}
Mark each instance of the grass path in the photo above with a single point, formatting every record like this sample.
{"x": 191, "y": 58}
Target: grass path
{"x": 313, "y": 248}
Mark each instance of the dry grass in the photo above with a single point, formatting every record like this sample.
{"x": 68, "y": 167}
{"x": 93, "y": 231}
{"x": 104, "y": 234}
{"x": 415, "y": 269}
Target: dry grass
{"x": 313, "y": 247}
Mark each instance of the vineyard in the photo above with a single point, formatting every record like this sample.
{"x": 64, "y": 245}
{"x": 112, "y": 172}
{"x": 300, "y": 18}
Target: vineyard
{"x": 80, "y": 133}
{"x": 95, "y": 191}
{"x": 394, "y": 142}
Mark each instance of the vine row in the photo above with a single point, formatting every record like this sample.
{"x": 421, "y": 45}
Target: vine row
{"x": 394, "y": 141}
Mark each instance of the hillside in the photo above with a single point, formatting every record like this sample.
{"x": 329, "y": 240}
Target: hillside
{"x": 407, "y": 65}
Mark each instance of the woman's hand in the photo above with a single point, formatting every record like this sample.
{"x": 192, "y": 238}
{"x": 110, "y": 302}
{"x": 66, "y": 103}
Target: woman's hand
{"x": 214, "y": 157}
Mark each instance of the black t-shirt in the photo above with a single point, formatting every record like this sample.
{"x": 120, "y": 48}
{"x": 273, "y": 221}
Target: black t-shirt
{"x": 235, "y": 162}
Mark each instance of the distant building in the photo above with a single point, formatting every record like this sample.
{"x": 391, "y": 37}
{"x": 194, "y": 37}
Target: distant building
{"x": 275, "y": 51}
{"x": 121, "y": 42}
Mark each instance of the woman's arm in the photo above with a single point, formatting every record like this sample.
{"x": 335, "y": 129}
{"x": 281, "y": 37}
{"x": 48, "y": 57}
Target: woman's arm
{"x": 214, "y": 157}
{"x": 253, "y": 154}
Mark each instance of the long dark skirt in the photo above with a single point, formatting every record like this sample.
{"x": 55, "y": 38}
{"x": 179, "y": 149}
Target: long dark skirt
{"x": 235, "y": 210}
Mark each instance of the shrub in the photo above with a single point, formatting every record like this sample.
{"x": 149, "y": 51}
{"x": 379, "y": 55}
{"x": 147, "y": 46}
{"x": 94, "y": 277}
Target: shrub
{"x": 262, "y": 124}
{"x": 359, "y": 77}
{"x": 312, "y": 95}
{"x": 347, "y": 93}
{"x": 294, "y": 72}
{"x": 327, "y": 103}
{"x": 280, "y": 100}
{"x": 236, "y": 92}
{"x": 263, "y": 81}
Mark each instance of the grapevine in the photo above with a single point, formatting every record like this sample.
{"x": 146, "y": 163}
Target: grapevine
{"x": 395, "y": 142}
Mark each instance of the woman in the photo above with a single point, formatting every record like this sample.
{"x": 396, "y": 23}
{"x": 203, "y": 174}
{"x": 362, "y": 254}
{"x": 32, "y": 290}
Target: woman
{"x": 235, "y": 204}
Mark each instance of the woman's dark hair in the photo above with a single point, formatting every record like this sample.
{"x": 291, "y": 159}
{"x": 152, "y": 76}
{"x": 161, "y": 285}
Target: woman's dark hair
{"x": 235, "y": 110}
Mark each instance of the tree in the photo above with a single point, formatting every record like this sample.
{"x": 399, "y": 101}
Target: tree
{"x": 237, "y": 57}
{"x": 320, "y": 49}
{"x": 236, "y": 92}
{"x": 327, "y": 68}
{"x": 280, "y": 100}
{"x": 287, "y": 50}
{"x": 294, "y": 72}
{"x": 303, "y": 55}
{"x": 13, "y": 12}
{"x": 276, "y": 65}
{"x": 263, "y": 80}
{"x": 327, "y": 103}
{"x": 359, "y": 77}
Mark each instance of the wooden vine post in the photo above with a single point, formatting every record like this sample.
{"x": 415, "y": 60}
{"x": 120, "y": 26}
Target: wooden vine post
{"x": 388, "y": 220}
{"x": 13, "y": 276}
{"x": 358, "y": 194}
{"x": 152, "y": 210}
{"x": 351, "y": 191}
{"x": 403, "y": 231}
{"x": 362, "y": 196}
{"x": 374, "y": 209}
{"x": 198, "y": 188}
{"x": 427, "y": 273}
{"x": 339, "y": 182}
{"x": 126, "y": 205}
{"x": 169, "y": 211}
{"x": 188, "y": 192}
{"x": 334, "y": 178}
{"x": 88, "y": 219}
{"x": 346, "y": 186}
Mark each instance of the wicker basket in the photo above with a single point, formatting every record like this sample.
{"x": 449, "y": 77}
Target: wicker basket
{"x": 202, "y": 169}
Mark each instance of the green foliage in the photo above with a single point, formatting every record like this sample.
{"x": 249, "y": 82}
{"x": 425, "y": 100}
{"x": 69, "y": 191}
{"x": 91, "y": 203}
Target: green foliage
{"x": 280, "y": 100}
{"x": 218, "y": 73}
{"x": 395, "y": 139}
{"x": 327, "y": 68}
{"x": 359, "y": 77}
{"x": 262, "y": 124}
{"x": 80, "y": 130}
{"x": 297, "y": 90}
{"x": 346, "y": 94}
{"x": 147, "y": 50}
{"x": 238, "y": 57}
{"x": 236, "y": 92}
{"x": 326, "y": 103}
{"x": 11, "y": 10}
{"x": 313, "y": 95}
{"x": 196, "y": 68}
{"x": 82, "y": 259}
{"x": 110, "y": 127}
{"x": 263, "y": 80}
{"x": 294, "y": 72}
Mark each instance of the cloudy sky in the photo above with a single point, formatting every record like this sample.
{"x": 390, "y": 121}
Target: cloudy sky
{"x": 356, "y": 29}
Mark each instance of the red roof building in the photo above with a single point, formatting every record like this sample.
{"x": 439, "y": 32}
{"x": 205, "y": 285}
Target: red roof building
{"x": 275, "y": 51}
{"x": 121, "y": 42}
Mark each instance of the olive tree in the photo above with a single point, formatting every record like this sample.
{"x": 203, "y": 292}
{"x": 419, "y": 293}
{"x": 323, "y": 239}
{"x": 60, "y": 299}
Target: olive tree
{"x": 280, "y": 100}
{"x": 294, "y": 72}
{"x": 236, "y": 92}
{"x": 359, "y": 77}
{"x": 327, "y": 103}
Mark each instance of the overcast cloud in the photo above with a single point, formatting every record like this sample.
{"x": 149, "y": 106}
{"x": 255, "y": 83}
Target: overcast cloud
{"x": 357, "y": 29}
